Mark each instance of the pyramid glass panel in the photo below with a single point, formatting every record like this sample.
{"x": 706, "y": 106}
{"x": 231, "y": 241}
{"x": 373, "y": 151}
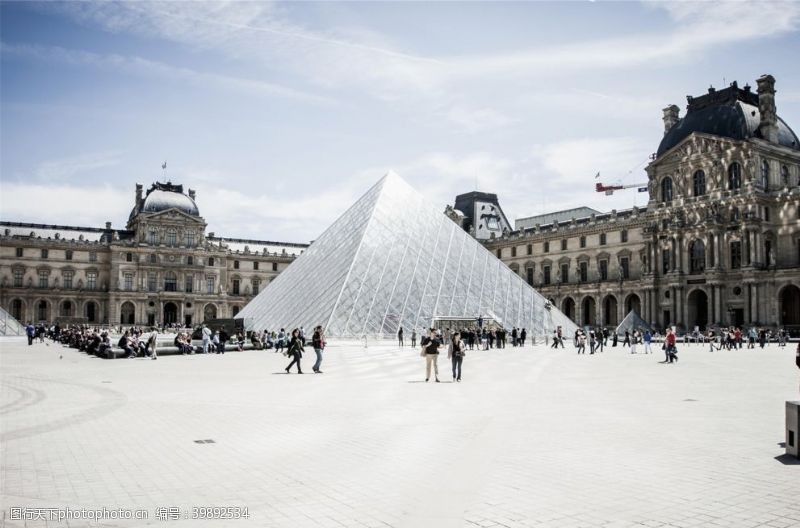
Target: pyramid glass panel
{"x": 393, "y": 260}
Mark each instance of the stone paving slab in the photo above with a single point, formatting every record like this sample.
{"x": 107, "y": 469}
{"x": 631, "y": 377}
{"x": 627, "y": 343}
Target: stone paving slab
{"x": 531, "y": 437}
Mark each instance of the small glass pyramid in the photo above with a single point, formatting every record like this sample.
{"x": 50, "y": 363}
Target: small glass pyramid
{"x": 393, "y": 260}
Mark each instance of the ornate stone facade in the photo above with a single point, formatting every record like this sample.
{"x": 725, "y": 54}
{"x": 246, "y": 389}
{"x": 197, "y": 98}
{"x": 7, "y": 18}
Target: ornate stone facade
{"x": 163, "y": 268}
{"x": 719, "y": 241}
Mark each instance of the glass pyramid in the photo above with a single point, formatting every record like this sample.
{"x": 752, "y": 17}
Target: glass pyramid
{"x": 394, "y": 260}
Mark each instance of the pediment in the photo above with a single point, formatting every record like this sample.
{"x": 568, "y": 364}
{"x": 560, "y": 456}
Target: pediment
{"x": 173, "y": 215}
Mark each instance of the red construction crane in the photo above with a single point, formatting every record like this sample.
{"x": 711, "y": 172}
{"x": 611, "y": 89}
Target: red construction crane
{"x": 609, "y": 189}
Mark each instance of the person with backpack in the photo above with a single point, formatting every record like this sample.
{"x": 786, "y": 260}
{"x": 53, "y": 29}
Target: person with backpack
{"x": 669, "y": 343}
{"x": 295, "y": 351}
{"x": 430, "y": 351}
{"x": 456, "y": 352}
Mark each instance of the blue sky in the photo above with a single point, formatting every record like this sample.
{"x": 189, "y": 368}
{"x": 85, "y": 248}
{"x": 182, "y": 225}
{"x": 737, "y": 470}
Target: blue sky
{"x": 281, "y": 114}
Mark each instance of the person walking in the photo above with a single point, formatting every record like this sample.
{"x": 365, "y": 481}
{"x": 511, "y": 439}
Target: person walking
{"x": 430, "y": 351}
{"x": 523, "y": 335}
{"x": 627, "y": 339}
{"x": 30, "y": 331}
{"x": 648, "y": 338}
{"x": 581, "y": 338}
{"x": 634, "y": 340}
{"x": 413, "y": 338}
{"x": 318, "y": 342}
{"x": 592, "y": 341}
{"x": 456, "y": 353}
{"x": 295, "y": 351}
{"x": 206, "y": 338}
{"x": 400, "y": 337}
{"x": 669, "y": 342}
{"x": 600, "y": 340}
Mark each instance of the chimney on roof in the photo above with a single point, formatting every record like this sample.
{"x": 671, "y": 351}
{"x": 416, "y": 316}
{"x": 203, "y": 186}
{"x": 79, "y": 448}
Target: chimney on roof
{"x": 191, "y": 194}
{"x": 671, "y": 116}
{"x": 766, "y": 107}
{"x": 108, "y": 226}
{"x": 138, "y": 196}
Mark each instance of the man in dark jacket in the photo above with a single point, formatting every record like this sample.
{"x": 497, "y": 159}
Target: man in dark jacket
{"x": 223, "y": 338}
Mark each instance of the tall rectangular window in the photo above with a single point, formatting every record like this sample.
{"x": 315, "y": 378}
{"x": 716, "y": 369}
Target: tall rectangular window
{"x": 43, "y": 279}
{"x": 172, "y": 238}
{"x": 68, "y": 254}
{"x": 18, "y": 277}
{"x": 665, "y": 261}
{"x": 209, "y": 284}
{"x": 565, "y": 273}
{"x": 235, "y": 264}
{"x": 547, "y": 247}
{"x": 530, "y": 249}
{"x": 190, "y": 260}
{"x": 151, "y": 282}
{"x": 190, "y": 239}
{"x": 128, "y": 257}
{"x": 602, "y": 239}
{"x": 603, "y": 270}
{"x": 255, "y": 266}
{"x": 563, "y": 244}
{"x": 152, "y": 237}
{"x": 623, "y": 235}
{"x": 546, "y": 273}
{"x": 274, "y": 266}
{"x": 45, "y": 253}
{"x": 128, "y": 281}
{"x": 499, "y": 253}
{"x": 256, "y": 284}
{"x": 583, "y": 241}
{"x": 736, "y": 255}
{"x": 19, "y": 252}
{"x": 188, "y": 287}
{"x": 625, "y": 267}
{"x": 93, "y": 256}
{"x": 235, "y": 287}
{"x": 584, "y": 271}
{"x": 514, "y": 251}
{"x": 91, "y": 280}
{"x": 68, "y": 275}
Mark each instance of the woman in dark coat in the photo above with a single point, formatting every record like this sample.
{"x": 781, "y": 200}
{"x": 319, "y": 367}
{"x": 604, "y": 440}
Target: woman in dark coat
{"x": 295, "y": 350}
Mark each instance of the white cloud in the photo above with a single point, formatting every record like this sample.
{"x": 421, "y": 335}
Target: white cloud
{"x": 139, "y": 66}
{"x": 66, "y": 168}
{"x": 466, "y": 90}
{"x": 64, "y": 204}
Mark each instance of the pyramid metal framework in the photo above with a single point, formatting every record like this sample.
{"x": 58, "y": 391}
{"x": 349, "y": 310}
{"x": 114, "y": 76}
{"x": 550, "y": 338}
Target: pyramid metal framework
{"x": 393, "y": 260}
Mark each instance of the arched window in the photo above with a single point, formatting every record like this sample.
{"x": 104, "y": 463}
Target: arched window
{"x": 170, "y": 282}
{"x": 699, "y": 183}
{"x": 734, "y": 176}
{"x": 666, "y": 189}
{"x": 697, "y": 257}
{"x": 784, "y": 175}
{"x": 765, "y": 174}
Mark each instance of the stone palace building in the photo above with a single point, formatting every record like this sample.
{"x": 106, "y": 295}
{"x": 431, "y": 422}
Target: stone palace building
{"x": 163, "y": 268}
{"x": 717, "y": 244}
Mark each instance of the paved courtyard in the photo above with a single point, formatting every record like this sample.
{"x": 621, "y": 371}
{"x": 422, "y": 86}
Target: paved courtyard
{"x": 531, "y": 437}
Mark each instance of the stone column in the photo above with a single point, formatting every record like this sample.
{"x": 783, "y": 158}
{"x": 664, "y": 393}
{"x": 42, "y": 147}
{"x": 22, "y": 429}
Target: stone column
{"x": 754, "y": 303}
{"x": 718, "y": 301}
{"x": 679, "y": 318}
{"x": 718, "y": 240}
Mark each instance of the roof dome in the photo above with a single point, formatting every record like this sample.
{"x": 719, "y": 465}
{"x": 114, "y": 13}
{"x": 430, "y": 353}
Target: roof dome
{"x": 163, "y": 196}
{"x": 731, "y": 113}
